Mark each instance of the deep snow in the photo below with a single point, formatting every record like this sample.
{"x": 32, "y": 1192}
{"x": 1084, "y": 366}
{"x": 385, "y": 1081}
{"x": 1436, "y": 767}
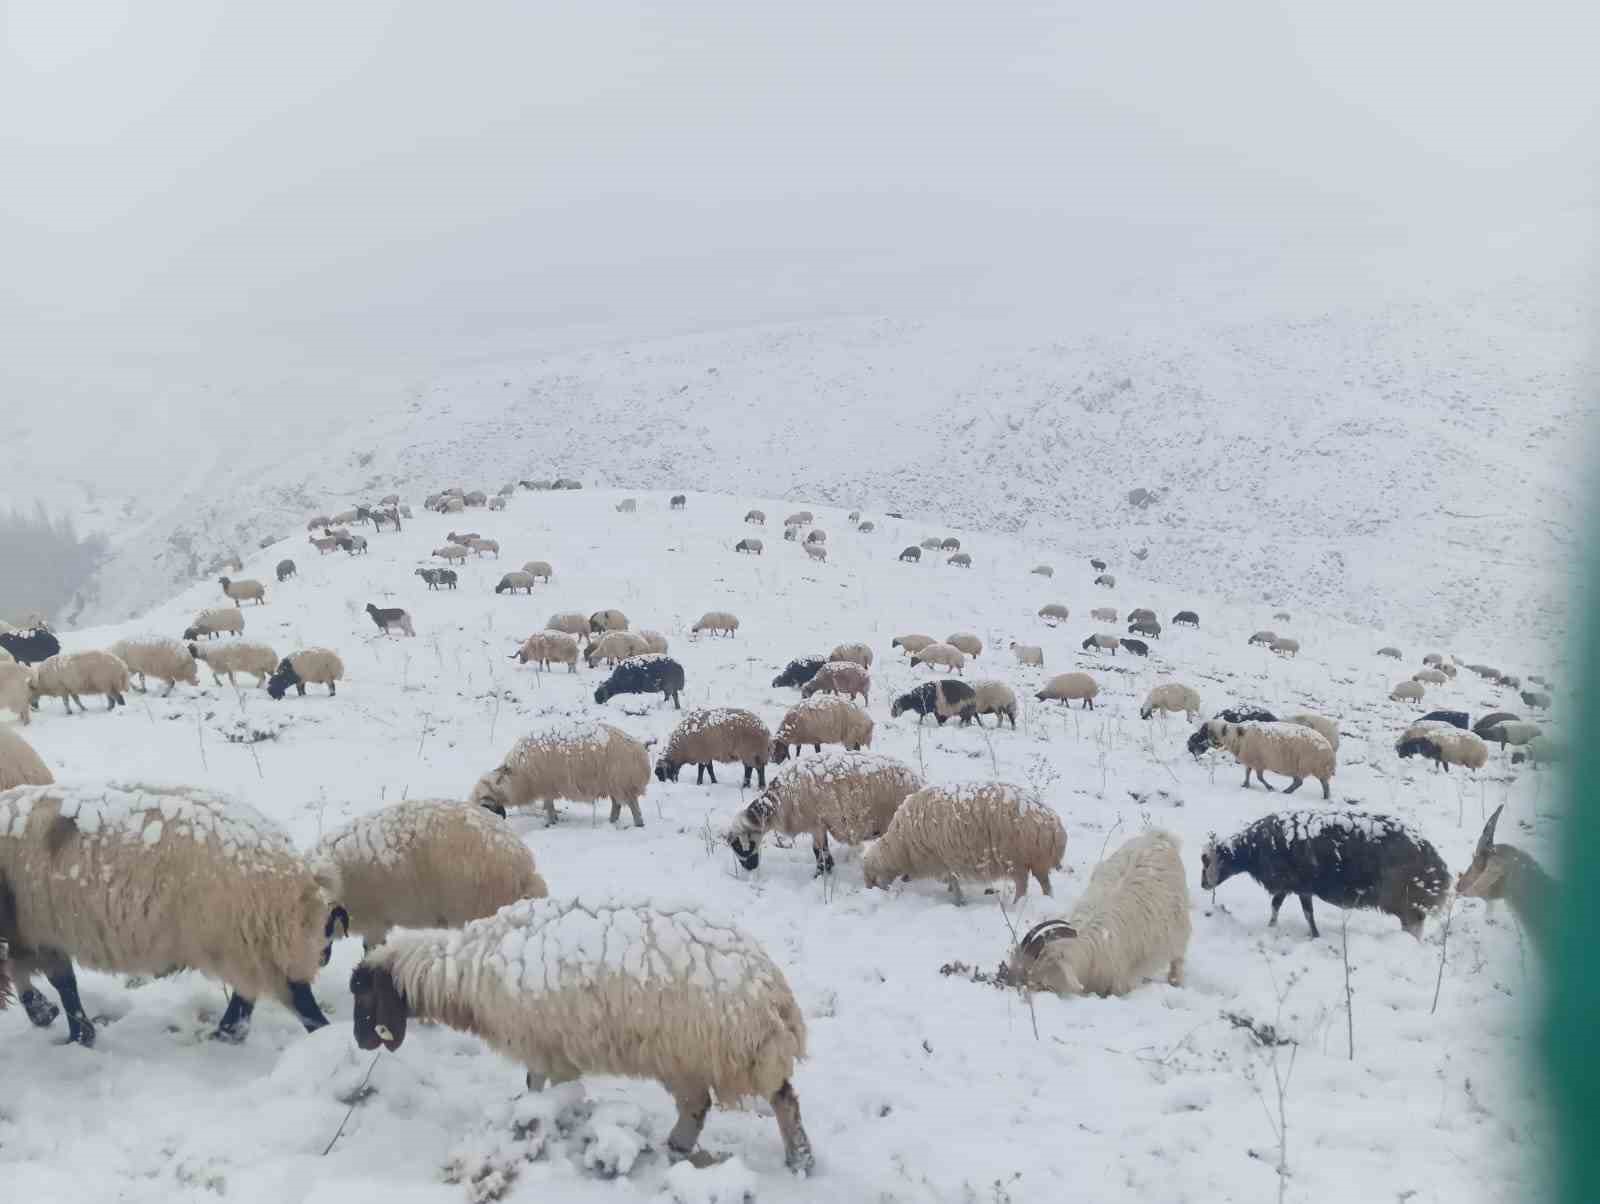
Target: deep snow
{"x": 921, "y": 1085}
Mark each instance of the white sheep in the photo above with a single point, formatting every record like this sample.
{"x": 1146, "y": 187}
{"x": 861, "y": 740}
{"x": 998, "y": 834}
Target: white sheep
{"x": 849, "y": 796}
{"x": 452, "y": 552}
{"x": 816, "y": 551}
{"x": 569, "y": 621}
{"x": 308, "y": 667}
{"x": 654, "y": 641}
{"x": 1103, "y": 614}
{"x": 717, "y": 622}
{"x": 20, "y": 766}
{"x": 513, "y": 581}
{"x": 575, "y": 987}
{"x": 1319, "y": 723}
{"x": 947, "y": 656}
{"x": 991, "y": 698}
{"x": 615, "y": 646}
{"x": 840, "y": 677}
{"x": 1028, "y": 654}
{"x": 547, "y": 647}
{"x": 1066, "y": 687}
{"x": 1286, "y": 748}
{"x": 425, "y": 863}
{"x": 16, "y": 693}
{"x": 482, "y": 546}
{"x": 1406, "y": 691}
{"x": 608, "y": 620}
{"x": 1444, "y": 744}
{"x": 1285, "y": 646}
{"x": 859, "y": 653}
{"x": 214, "y": 622}
{"x": 1431, "y": 677}
{"x": 539, "y": 568}
{"x": 819, "y": 721}
{"x": 967, "y": 642}
{"x": 627, "y": 505}
{"x": 911, "y": 644}
{"x": 576, "y": 760}
{"x": 711, "y": 734}
{"x": 67, "y": 675}
{"x": 1131, "y": 921}
{"x": 164, "y": 659}
{"x": 240, "y": 590}
{"x": 240, "y": 657}
{"x": 1171, "y": 696}
{"x": 138, "y": 879}
{"x": 975, "y": 832}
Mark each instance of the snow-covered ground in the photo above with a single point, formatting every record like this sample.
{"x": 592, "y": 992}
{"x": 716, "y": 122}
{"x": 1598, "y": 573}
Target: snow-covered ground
{"x": 922, "y": 1084}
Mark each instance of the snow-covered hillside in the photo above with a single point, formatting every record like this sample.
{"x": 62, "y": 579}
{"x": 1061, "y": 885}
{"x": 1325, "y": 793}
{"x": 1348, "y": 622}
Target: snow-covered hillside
{"x": 922, "y": 1084}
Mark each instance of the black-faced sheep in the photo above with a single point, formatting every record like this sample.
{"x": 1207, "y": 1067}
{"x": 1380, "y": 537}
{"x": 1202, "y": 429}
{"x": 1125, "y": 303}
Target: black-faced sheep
{"x": 1263, "y": 637}
{"x": 1097, "y": 564}
{"x": 1290, "y": 749}
{"x": 31, "y": 647}
{"x": 868, "y": 527}
{"x": 1107, "y": 580}
{"x": 391, "y": 618}
{"x": 629, "y": 989}
{"x": 816, "y": 536}
{"x": 651, "y": 673}
{"x": 1514, "y": 732}
{"x": 1200, "y": 739}
{"x": 69, "y": 675}
{"x": 1346, "y": 858}
{"x": 438, "y": 577}
{"x": 943, "y": 699}
{"x": 240, "y": 590}
{"x": 819, "y": 721}
{"x": 1541, "y": 750}
{"x": 134, "y": 879}
{"x": 961, "y": 560}
{"x": 849, "y": 796}
{"x": 1485, "y": 722}
{"x": 1186, "y": 618}
{"x": 580, "y": 761}
{"x": 214, "y": 622}
{"x": 286, "y": 570}
{"x": 1444, "y": 745}
{"x": 911, "y": 555}
{"x": 166, "y": 660}
{"x": 714, "y": 734}
{"x": 1065, "y": 687}
{"x": 798, "y": 671}
{"x": 840, "y": 677}
{"x": 976, "y": 831}
{"x": 513, "y": 581}
{"x": 1102, "y": 643}
{"x": 753, "y": 547}
{"x": 1130, "y": 922}
{"x": 311, "y": 666}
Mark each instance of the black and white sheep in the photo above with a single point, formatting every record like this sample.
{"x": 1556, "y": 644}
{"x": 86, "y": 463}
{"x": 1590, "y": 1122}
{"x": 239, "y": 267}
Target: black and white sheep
{"x": 310, "y": 666}
{"x": 911, "y": 554}
{"x": 651, "y": 673}
{"x": 1346, "y": 858}
{"x": 1444, "y": 745}
{"x": 1200, "y": 738}
{"x": 30, "y": 647}
{"x": 711, "y": 734}
{"x": 437, "y": 578}
{"x": 798, "y": 671}
{"x": 944, "y": 699}
{"x": 1137, "y": 647}
{"x": 1186, "y": 618}
{"x": 390, "y": 618}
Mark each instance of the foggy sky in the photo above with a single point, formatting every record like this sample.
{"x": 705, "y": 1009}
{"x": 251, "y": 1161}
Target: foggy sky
{"x": 200, "y": 195}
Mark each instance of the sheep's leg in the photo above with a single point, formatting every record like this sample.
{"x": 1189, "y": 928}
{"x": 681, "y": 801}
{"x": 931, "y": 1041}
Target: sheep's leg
{"x": 700, "y": 774}
{"x": 234, "y": 1026}
{"x": 305, "y": 1006}
{"x": 711, "y": 772}
{"x": 1293, "y": 786}
{"x": 1305, "y": 906}
{"x": 41, "y": 1012}
{"x": 1021, "y": 883}
{"x": 144, "y": 686}
{"x": 819, "y": 850}
{"x": 1175, "y": 972}
{"x": 80, "y": 1030}
{"x": 1326, "y": 792}
{"x": 1262, "y": 778}
{"x": 550, "y": 813}
{"x": 638, "y": 819}
{"x": 955, "y": 889}
{"x": 796, "y": 1145}
{"x": 1044, "y": 881}
{"x": 1277, "y": 902}
{"x": 171, "y": 686}
{"x": 693, "y": 1104}
{"x": 217, "y": 677}
{"x": 616, "y": 811}
{"x": 1247, "y": 777}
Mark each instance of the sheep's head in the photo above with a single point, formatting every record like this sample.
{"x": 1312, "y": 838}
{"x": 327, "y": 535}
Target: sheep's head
{"x": 379, "y": 1008}
{"x": 667, "y": 769}
{"x": 780, "y": 752}
{"x": 1215, "y": 865}
{"x": 1199, "y": 742}
{"x": 603, "y": 692}
{"x": 284, "y": 677}
{"x": 338, "y": 918}
{"x": 1417, "y": 746}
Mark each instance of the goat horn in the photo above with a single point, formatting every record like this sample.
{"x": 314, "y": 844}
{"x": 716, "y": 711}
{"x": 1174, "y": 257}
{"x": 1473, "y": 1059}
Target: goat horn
{"x": 1041, "y": 934}
{"x": 1486, "y": 841}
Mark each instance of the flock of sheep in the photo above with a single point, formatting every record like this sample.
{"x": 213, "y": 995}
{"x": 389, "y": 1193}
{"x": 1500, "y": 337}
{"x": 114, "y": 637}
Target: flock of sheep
{"x": 570, "y": 986}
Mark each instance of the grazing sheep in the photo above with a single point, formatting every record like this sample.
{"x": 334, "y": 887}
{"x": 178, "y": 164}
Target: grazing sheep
{"x": 1042, "y": 570}
{"x": 911, "y": 554}
{"x": 819, "y": 721}
{"x": 962, "y": 560}
{"x": 717, "y": 622}
{"x": 1431, "y": 677}
{"x": 678, "y": 501}
{"x": 1284, "y": 646}
{"x": 1200, "y": 739}
{"x": 711, "y": 734}
{"x": 756, "y": 517}
{"x": 1444, "y": 745}
{"x": 799, "y": 671}
{"x": 578, "y": 760}
{"x": 1391, "y": 651}
{"x": 976, "y": 831}
{"x": 464, "y": 538}
{"x": 1147, "y": 627}
{"x": 212, "y": 623}
{"x": 649, "y": 673}
{"x": 1289, "y": 749}
{"x": 1028, "y": 654}
{"x": 480, "y": 546}
{"x": 1263, "y": 637}
{"x": 240, "y": 657}
{"x": 1142, "y": 614}
{"x": 497, "y": 503}
{"x": 840, "y": 677}
{"x": 324, "y": 545}
{"x": 452, "y": 552}
{"x": 753, "y": 547}
{"x": 944, "y": 699}
{"x": 912, "y": 644}
{"x": 849, "y": 796}
{"x": 1535, "y": 700}
{"x": 967, "y": 642}
{"x": 800, "y": 518}
{"x": 1346, "y": 858}
{"x": 310, "y": 666}
{"x": 240, "y": 590}
{"x": 68, "y": 675}
{"x": 868, "y": 527}
{"x": 1485, "y": 722}
{"x": 1453, "y": 718}
{"x": 1131, "y": 921}
{"x": 570, "y": 622}
{"x": 423, "y": 863}
{"x": 391, "y": 618}
{"x": 1503, "y": 871}
{"x": 1053, "y": 613}
{"x": 1406, "y": 691}
{"x": 166, "y": 660}
{"x": 613, "y": 647}
{"x": 1064, "y": 687}
{"x": 19, "y": 766}
{"x": 15, "y": 694}
{"x": 1512, "y": 731}
{"x": 1327, "y": 728}
{"x": 452, "y": 505}
{"x": 547, "y": 648}
{"x": 608, "y": 620}
{"x": 1281, "y": 616}
{"x": 1107, "y": 580}
{"x": 286, "y": 570}
{"x": 991, "y": 698}
{"x": 134, "y": 879}
{"x": 816, "y": 551}
{"x": 950, "y": 544}
{"x": 1137, "y": 647}
{"x": 1102, "y": 643}
{"x": 38, "y": 645}
{"x": 627, "y": 989}
{"x": 627, "y": 505}
{"x": 816, "y": 536}
{"x": 946, "y": 655}
{"x": 539, "y": 568}
{"x": 354, "y": 545}
{"x": 1186, "y": 618}
{"x": 931, "y": 544}
{"x": 860, "y": 653}
{"x": 1097, "y": 564}
{"x": 438, "y": 577}
{"x": 654, "y": 641}
{"x": 1433, "y": 658}
{"x": 1171, "y": 696}
{"x": 1103, "y": 614}
{"x": 513, "y": 581}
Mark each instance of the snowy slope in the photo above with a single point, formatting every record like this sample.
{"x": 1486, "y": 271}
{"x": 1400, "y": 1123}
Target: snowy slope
{"x": 920, "y": 1086}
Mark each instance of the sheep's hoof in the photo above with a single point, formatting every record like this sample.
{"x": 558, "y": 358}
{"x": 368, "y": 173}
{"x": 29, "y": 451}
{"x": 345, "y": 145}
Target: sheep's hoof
{"x": 41, "y": 1012}
{"x": 699, "y": 1159}
{"x": 801, "y": 1162}
{"x": 233, "y": 1034}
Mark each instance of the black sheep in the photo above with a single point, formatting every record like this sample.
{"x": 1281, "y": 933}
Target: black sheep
{"x": 1453, "y": 718}
{"x": 1347, "y": 858}
{"x": 799, "y": 671}
{"x": 1137, "y": 647}
{"x": 911, "y": 554}
{"x": 30, "y": 647}
{"x": 646, "y": 674}
{"x": 1098, "y": 565}
{"x": 284, "y": 677}
{"x": 1147, "y": 627}
{"x": 941, "y": 699}
{"x": 1200, "y": 738}
{"x": 1492, "y": 719}
{"x": 678, "y": 501}
{"x": 286, "y": 570}
{"x": 1186, "y": 618}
